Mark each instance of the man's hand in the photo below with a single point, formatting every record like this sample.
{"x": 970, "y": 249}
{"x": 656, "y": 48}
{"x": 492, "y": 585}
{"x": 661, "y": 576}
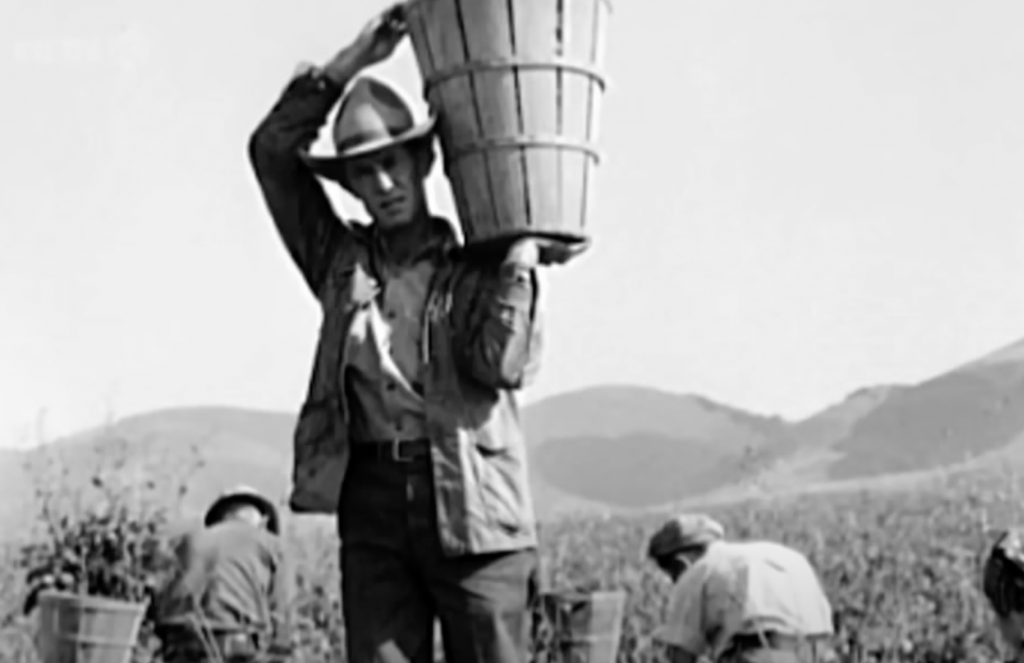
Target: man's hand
{"x": 379, "y": 38}
{"x": 375, "y": 43}
{"x": 532, "y": 251}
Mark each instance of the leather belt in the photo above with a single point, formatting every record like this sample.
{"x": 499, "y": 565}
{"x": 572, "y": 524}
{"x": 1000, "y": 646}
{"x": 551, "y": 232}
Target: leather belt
{"x": 182, "y": 643}
{"x": 765, "y": 640}
{"x": 392, "y": 451}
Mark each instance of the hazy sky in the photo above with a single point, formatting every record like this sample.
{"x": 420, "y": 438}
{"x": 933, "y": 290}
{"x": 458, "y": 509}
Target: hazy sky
{"x": 799, "y": 198}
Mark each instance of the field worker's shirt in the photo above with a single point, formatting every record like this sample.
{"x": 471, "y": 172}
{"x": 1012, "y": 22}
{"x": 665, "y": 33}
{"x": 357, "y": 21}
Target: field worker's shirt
{"x": 385, "y": 374}
{"x": 234, "y": 576}
{"x": 745, "y": 588}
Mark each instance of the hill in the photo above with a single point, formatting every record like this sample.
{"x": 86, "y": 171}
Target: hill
{"x": 636, "y": 447}
{"x": 948, "y": 420}
{"x": 970, "y": 412}
{"x": 610, "y": 448}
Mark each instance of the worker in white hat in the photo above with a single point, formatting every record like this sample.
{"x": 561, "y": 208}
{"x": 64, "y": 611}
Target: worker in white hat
{"x": 1003, "y": 586}
{"x": 738, "y": 602}
{"x": 232, "y": 589}
{"x": 410, "y": 432}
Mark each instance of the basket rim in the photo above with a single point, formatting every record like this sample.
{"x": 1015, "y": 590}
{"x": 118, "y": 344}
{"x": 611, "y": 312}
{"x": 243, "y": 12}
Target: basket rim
{"x": 89, "y": 600}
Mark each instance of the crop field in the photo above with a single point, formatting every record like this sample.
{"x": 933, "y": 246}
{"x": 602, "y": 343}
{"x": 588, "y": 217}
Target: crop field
{"x": 901, "y": 568}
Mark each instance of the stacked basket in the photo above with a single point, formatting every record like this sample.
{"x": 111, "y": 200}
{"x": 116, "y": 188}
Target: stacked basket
{"x": 517, "y": 88}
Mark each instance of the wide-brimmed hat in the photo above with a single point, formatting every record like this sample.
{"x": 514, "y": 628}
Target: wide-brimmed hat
{"x": 684, "y": 532}
{"x": 371, "y": 117}
{"x": 243, "y": 495}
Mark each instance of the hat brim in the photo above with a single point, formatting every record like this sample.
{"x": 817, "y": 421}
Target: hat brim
{"x": 329, "y": 166}
{"x": 221, "y": 506}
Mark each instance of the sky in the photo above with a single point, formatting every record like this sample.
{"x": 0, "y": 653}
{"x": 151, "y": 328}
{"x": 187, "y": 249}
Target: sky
{"x": 798, "y": 199}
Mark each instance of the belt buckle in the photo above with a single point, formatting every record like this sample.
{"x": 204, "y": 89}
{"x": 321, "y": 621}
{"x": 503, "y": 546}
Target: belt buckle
{"x": 237, "y": 645}
{"x": 397, "y": 457}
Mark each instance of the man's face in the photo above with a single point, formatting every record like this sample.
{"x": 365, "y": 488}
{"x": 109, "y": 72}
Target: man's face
{"x": 389, "y": 183}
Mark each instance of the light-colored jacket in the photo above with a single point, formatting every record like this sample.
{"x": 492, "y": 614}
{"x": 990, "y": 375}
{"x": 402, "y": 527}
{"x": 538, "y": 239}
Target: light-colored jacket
{"x": 481, "y": 343}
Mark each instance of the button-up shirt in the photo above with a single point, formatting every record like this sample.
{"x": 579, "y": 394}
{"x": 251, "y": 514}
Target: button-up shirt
{"x": 745, "y": 588}
{"x": 385, "y": 376}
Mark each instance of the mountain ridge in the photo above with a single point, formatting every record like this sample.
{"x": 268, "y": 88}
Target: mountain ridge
{"x": 625, "y": 448}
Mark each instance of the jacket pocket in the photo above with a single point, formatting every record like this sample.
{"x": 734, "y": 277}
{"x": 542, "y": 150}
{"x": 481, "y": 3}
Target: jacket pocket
{"x": 502, "y": 484}
{"x": 489, "y": 443}
{"x": 315, "y": 428}
{"x": 320, "y": 458}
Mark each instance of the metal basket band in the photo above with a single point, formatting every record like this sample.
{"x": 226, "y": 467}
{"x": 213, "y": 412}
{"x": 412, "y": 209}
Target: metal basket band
{"x": 516, "y": 142}
{"x": 413, "y": 4}
{"x": 502, "y": 64}
{"x": 95, "y": 640}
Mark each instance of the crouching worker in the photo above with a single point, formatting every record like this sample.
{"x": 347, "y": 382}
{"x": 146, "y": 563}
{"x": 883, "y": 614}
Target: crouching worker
{"x": 1003, "y": 585}
{"x": 229, "y": 598}
{"x": 738, "y": 602}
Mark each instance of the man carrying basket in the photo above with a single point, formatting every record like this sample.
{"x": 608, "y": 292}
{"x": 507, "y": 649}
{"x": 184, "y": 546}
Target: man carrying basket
{"x": 410, "y": 431}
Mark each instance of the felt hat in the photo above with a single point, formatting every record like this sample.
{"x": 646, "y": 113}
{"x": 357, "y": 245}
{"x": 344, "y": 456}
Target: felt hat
{"x": 243, "y": 495}
{"x": 371, "y": 117}
{"x": 685, "y": 531}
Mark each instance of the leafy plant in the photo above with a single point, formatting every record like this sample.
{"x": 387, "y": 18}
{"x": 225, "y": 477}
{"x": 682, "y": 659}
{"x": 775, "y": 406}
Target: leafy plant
{"x": 110, "y": 554}
{"x": 103, "y": 536}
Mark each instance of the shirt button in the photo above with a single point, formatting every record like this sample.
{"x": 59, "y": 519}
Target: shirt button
{"x": 391, "y": 314}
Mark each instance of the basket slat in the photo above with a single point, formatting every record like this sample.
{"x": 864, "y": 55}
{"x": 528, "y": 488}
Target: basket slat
{"x": 538, "y": 38}
{"x": 443, "y": 22}
{"x": 488, "y": 39}
{"x": 576, "y": 101}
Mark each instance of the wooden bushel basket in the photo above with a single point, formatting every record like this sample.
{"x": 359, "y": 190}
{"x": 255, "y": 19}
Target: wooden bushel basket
{"x": 87, "y": 629}
{"x": 587, "y": 625}
{"x": 517, "y": 88}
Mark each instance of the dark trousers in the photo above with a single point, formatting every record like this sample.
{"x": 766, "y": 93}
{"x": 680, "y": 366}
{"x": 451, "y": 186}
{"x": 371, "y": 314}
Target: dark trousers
{"x": 396, "y": 580}
{"x": 192, "y": 644}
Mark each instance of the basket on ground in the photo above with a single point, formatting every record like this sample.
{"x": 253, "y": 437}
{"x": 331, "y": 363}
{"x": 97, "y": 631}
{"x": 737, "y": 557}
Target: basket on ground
{"x": 85, "y": 629}
{"x": 587, "y": 626}
{"x": 517, "y": 89}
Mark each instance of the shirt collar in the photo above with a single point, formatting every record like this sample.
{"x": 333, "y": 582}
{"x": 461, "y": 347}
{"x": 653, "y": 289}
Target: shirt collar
{"x": 440, "y": 240}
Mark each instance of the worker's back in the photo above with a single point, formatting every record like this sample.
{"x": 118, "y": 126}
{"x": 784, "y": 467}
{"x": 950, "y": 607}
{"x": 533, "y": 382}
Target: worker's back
{"x": 232, "y": 574}
{"x": 751, "y": 586}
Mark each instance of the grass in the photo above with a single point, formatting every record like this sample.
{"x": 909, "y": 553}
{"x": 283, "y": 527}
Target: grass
{"x": 901, "y": 568}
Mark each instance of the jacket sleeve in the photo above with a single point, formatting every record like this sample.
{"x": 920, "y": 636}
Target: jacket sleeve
{"x": 305, "y": 220}
{"x": 500, "y": 332}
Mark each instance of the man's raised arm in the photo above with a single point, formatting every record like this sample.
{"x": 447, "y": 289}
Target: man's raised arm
{"x": 297, "y": 202}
